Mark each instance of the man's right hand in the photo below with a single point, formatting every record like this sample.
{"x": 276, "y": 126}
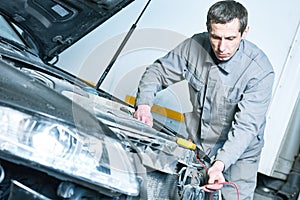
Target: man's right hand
{"x": 143, "y": 113}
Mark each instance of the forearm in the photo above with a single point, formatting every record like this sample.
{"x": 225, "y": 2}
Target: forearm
{"x": 233, "y": 148}
{"x": 164, "y": 72}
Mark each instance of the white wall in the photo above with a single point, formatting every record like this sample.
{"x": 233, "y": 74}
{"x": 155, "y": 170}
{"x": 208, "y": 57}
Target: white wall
{"x": 273, "y": 24}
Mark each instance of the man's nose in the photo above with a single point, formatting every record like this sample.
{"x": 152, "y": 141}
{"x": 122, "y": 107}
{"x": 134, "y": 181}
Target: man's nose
{"x": 222, "y": 45}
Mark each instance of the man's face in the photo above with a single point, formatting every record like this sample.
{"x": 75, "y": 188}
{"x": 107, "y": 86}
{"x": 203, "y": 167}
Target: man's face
{"x": 225, "y": 39}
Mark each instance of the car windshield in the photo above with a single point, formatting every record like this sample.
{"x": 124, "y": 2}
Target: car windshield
{"x": 7, "y": 32}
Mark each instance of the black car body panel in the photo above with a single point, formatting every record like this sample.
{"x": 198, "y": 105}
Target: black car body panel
{"x": 55, "y": 25}
{"x": 31, "y": 94}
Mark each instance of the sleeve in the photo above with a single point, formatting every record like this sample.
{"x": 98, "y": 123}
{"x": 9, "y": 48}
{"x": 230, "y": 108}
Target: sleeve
{"x": 249, "y": 120}
{"x": 162, "y": 73}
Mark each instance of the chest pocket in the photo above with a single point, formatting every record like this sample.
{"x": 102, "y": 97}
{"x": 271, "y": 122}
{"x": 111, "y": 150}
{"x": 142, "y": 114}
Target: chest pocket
{"x": 233, "y": 95}
{"x": 231, "y": 99}
{"x": 221, "y": 106}
{"x": 196, "y": 87}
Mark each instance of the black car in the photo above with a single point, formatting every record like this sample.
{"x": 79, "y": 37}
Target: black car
{"x": 63, "y": 138}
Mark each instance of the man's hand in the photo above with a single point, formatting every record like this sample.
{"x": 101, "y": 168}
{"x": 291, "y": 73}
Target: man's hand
{"x": 143, "y": 113}
{"x": 215, "y": 176}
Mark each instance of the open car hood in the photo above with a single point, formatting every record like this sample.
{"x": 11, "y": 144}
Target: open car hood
{"x": 54, "y": 25}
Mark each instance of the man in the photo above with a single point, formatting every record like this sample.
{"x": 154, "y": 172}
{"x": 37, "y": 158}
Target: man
{"x": 230, "y": 83}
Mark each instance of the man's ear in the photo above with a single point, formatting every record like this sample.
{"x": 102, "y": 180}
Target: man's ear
{"x": 245, "y": 33}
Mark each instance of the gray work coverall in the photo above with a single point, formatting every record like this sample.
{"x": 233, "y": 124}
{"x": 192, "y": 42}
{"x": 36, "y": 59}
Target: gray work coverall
{"x": 230, "y": 100}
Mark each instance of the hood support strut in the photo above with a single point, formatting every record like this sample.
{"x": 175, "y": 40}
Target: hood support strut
{"x": 157, "y": 124}
{"x": 113, "y": 60}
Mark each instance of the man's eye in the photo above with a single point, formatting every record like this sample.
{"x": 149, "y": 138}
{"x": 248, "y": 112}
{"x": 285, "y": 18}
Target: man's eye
{"x": 230, "y": 38}
{"x": 215, "y": 37}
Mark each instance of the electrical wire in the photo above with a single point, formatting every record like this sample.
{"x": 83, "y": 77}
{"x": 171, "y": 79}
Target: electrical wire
{"x": 221, "y": 183}
{"x": 228, "y": 183}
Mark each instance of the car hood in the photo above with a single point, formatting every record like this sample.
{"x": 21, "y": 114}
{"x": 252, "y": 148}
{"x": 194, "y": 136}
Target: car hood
{"x": 57, "y": 24}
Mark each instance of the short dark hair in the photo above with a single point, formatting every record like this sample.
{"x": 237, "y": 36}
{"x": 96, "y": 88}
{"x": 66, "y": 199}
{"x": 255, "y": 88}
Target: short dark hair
{"x": 225, "y": 11}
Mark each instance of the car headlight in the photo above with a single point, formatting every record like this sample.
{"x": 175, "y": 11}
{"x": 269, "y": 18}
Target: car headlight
{"x": 61, "y": 147}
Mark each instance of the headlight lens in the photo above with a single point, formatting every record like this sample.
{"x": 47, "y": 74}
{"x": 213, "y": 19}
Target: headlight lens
{"x": 35, "y": 137}
{"x": 63, "y": 148}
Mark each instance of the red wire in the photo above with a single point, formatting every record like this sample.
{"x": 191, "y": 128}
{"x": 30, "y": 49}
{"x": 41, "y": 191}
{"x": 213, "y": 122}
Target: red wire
{"x": 229, "y": 183}
{"x": 222, "y": 183}
{"x": 201, "y": 163}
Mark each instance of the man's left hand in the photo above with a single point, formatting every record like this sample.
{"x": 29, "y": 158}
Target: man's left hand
{"x": 215, "y": 177}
